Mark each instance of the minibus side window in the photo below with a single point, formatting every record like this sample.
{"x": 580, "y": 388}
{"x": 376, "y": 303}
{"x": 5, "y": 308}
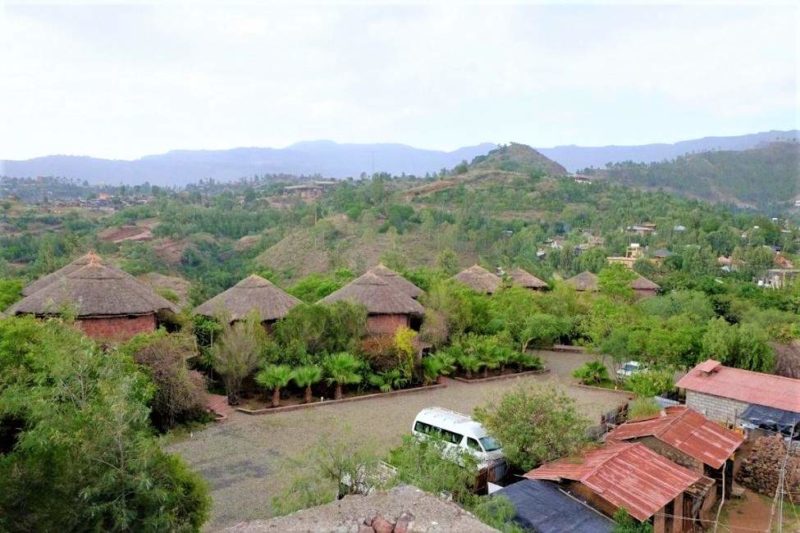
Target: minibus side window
{"x": 473, "y": 444}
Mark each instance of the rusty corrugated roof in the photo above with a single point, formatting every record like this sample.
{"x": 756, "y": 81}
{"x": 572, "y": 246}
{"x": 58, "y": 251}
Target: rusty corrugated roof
{"x": 624, "y": 474}
{"x": 687, "y": 431}
{"x": 711, "y": 377}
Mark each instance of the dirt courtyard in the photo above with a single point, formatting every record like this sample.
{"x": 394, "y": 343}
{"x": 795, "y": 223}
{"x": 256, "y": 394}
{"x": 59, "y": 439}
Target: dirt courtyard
{"x": 242, "y": 457}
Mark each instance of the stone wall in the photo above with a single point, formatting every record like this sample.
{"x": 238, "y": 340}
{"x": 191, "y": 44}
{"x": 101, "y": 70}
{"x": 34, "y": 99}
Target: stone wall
{"x": 716, "y": 408}
{"x": 385, "y": 324}
{"x": 117, "y": 328}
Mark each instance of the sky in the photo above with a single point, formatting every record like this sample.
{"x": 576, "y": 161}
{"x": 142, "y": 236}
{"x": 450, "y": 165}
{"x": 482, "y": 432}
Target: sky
{"x": 123, "y": 81}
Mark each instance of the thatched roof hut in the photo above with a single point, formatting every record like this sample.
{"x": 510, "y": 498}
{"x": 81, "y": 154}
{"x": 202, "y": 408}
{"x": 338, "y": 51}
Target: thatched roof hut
{"x": 94, "y": 290}
{"x": 396, "y": 280}
{"x": 377, "y": 295}
{"x": 252, "y": 293}
{"x": 641, "y": 283}
{"x": 584, "y": 282}
{"x": 479, "y": 279}
{"x": 388, "y": 307}
{"x": 44, "y": 281}
{"x": 526, "y": 279}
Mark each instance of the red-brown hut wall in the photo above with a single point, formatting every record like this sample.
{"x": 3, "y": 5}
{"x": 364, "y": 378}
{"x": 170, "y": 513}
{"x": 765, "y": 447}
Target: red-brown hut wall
{"x": 386, "y": 324}
{"x": 117, "y": 328}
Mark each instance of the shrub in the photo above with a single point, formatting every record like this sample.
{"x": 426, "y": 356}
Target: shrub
{"x": 649, "y": 383}
{"x": 306, "y": 376}
{"x": 641, "y": 408}
{"x": 534, "y": 424}
{"x": 236, "y": 353}
{"x": 179, "y": 394}
{"x": 591, "y": 373}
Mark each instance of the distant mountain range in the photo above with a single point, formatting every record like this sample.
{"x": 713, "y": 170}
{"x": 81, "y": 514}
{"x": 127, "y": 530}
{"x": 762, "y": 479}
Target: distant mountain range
{"x": 576, "y": 158}
{"x": 336, "y": 160}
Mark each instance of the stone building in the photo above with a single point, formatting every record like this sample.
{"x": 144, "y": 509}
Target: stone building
{"x": 724, "y": 394}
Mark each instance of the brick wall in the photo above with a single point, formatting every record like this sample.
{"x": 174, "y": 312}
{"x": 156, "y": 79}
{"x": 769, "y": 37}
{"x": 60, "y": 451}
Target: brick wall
{"x": 117, "y": 328}
{"x": 385, "y": 324}
{"x": 715, "y": 407}
{"x": 673, "y": 454}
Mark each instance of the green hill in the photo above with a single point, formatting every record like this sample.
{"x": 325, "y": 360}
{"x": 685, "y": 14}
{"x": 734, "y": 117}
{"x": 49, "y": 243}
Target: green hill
{"x": 767, "y": 177}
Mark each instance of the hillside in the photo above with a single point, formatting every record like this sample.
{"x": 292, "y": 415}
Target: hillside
{"x": 575, "y": 158}
{"x": 767, "y": 177}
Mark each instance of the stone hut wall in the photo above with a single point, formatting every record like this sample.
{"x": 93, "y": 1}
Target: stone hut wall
{"x": 117, "y": 328}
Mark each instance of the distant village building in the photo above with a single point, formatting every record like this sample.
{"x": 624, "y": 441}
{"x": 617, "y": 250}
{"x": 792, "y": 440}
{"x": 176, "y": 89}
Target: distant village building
{"x": 678, "y": 228}
{"x": 631, "y": 476}
{"x": 253, "y": 293}
{"x": 643, "y": 229}
{"x": 777, "y": 278}
{"x": 307, "y": 191}
{"x": 388, "y": 307}
{"x": 580, "y": 178}
{"x": 687, "y": 438}
{"x": 589, "y": 282}
{"x": 527, "y": 280}
{"x": 659, "y": 256}
{"x": 632, "y": 254}
{"x": 108, "y": 303}
{"x": 479, "y": 279}
{"x": 733, "y": 396}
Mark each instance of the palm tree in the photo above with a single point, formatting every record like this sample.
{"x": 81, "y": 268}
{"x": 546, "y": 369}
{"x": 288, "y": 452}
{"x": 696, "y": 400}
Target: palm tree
{"x": 305, "y": 376}
{"x": 342, "y": 369}
{"x": 470, "y": 363}
{"x": 275, "y": 377}
{"x": 440, "y": 364}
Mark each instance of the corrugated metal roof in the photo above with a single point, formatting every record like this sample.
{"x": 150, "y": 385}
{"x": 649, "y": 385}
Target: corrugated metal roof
{"x": 686, "y": 430}
{"x": 626, "y": 475}
{"x": 743, "y": 385}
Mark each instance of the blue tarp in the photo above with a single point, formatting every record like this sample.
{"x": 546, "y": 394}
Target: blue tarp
{"x": 771, "y": 418}
{"x": 543, "y": 508}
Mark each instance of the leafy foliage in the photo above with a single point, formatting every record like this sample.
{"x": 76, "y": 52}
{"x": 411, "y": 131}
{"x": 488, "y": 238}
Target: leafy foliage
{"x": 534, "y": 424}
{"x": 81, "y": 454}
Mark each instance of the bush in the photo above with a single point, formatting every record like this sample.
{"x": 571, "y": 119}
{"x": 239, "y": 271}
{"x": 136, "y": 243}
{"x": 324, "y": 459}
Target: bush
{"x": 649, "y": 383}
{"x": 180, "y": 394}
{"x": 591, "y": 373}
{"x": 534, "y": 424}
{"x": 642, "y": 408}
{"x": 497, "y": 511}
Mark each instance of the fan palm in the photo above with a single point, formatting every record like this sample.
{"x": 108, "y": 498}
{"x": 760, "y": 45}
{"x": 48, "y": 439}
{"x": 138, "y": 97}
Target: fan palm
{"x": 306, "y": 376}
{"x": 342, "y": 369}
{"x": 274, "y": 377}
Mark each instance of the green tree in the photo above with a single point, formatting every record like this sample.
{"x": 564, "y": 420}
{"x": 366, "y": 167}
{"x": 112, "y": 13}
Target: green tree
{"x": 274, "y": 378}
{"x": 591, "y": 373}
{"x": 342, "y": 369}
{"x": 78, "y": 451}
{"x": 615, "y": 282}
{"x": 534, "y": 424}
{"x": 237, "y": 352}
{"x": 306, "y": 376}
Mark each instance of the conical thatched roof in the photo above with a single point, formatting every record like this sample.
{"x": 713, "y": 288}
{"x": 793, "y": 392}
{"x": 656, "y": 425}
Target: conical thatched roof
{"x": 44, "y": 281}
{"x": 585, "y": 281}
{"x": 479, "y": 279}
{"x": 94, "y": 290}
{"x": 253, "y": 292}
{"x": 641, "y": 283}
{"x": 526, "y": 279}
{"x": 396, "y": 280}
{"x": 378, "y": 296}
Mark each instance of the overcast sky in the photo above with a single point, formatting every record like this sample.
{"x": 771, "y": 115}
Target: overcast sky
{"x": 125, "y": 81}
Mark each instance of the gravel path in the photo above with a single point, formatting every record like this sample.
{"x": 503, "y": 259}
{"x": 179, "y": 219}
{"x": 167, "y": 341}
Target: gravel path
{"x": 241, "y": 457}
